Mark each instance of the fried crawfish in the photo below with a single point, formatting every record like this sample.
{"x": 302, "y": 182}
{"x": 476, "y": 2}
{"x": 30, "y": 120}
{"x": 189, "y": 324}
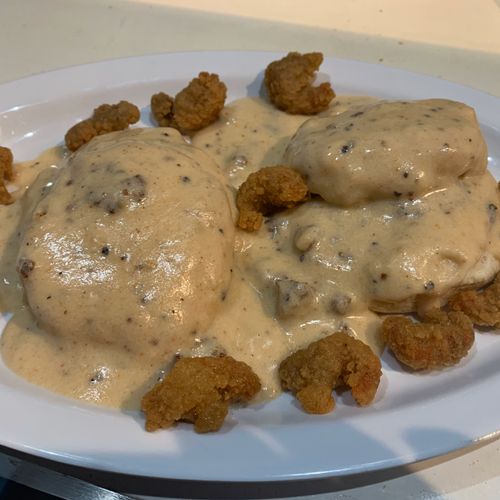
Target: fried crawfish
{"x": 106, "y": 118}
{"x": 336, "y": 361}
{"x": 194, "y": 107}
{"x": 162, "y": 107}
{"x": 6, "y": 162}
{"x": 441, "y": 340}
{"x": 199, "y": 390}
{"x": 6, "y": 174}
{"x": 289, "y": 84}
{"x": 266, "y": 191}
{"x": 482, "y": 307}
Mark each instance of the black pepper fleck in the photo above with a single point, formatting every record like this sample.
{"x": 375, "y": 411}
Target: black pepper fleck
{"x": 25, "y": 267}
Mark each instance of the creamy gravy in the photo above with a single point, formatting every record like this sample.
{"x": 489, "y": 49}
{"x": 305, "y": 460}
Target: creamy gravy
{"x": 308, "y": 272}
{"x": 388, "y": 149}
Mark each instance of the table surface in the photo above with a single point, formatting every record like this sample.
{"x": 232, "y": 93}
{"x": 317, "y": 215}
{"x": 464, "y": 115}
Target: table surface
{"x": 458, "y": 40}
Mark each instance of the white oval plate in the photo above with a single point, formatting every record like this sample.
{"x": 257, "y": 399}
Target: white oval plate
{"x": 414, "y": 416}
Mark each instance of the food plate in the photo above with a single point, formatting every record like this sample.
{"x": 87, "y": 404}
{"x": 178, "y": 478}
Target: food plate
{"x": 413, "y": 417}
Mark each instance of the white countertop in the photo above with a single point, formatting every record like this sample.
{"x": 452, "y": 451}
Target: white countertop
{"x": 458, "y": 40}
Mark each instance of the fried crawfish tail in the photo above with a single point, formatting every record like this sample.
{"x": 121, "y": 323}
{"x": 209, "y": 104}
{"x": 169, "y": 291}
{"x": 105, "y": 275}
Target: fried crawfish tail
{"x": 200, "y": 103}
{"x": 289, "y": 84}
{"x": 482, "y": 307}
{"x": 106, "y": 118}
{"x": 441, "y": 340}
{"x": 162, "y": 108}
{"x": 338, "y": 360}
{"x": 266, "y": 191}
{"x": 199, "y": 390}
{"x": 6, "y": 174}
{"x": 194, "y": 107}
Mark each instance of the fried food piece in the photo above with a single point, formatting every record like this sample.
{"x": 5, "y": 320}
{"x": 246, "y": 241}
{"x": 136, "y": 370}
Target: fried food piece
{"x": 199, "y": 390}
{"x": 194, "y": 107}
{"x": 289, "y": 84}
{"x": 200, "y": 103}
{"x": 266, "y": 191}
{"x": 162, "y": 107}
{"x": 6, "y": 161}
{"x": 6, "y": 174}
{"x": 5, "y": 196}
{"x": 443, "y": 339}
{"x": 106, "y": 118}
{"x": 482, "y": 307}
{"x": 335, "y": 361}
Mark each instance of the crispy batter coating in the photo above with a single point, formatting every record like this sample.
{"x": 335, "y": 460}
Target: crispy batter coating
{"x": 194, "y": 107}
{"x": 106, "y": 118}
{"x": 162, "y": 107}
{"x": 335, "y": 361}
{"x": 6, "y": 161}
{"x": 200, "y": 103}
{"x": 443, "y": 339}
{"x": 5, "y": 196}
{"x": 6, "y": 174}
{"x": 289, "y": 84}
{"x": 482, "y": 307}
{"x": 266, "y": 191}
{"x": 199, "y": 390}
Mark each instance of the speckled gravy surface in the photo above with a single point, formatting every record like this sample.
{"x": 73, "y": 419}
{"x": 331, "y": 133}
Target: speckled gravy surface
{"x": 127, "y": 254}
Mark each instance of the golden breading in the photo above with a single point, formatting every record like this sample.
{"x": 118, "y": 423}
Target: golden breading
{"x": 443, "y": 339}
{"x": 199, "y": 390}
{"x": 6, "y": 162}
{"x": 5, "y": 196}
{"x": 482, "y": 307}
{"x": 162, "y": 107}
{"x": 200, "y": 103}
{"x": 194, "y": 107}
{"x": 335, "y": 361}
{"x": 289, "y": 84}
{"x": 6, "y": 174}
{"x": 106, "y": 118}
{"x": 265, "y": 192}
